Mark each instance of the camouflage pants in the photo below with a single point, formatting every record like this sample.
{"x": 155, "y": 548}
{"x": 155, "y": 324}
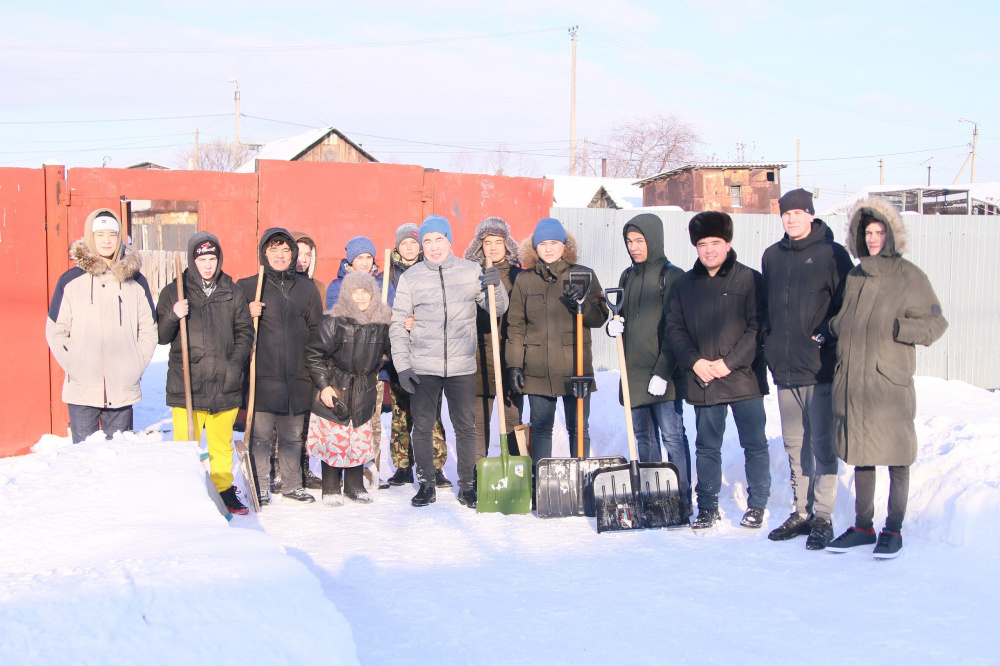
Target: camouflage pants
{"x": 402, "y": 425}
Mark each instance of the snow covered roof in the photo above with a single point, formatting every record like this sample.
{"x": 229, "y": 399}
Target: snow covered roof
{"x": 711, "y": 165}
{"x": 985, "y": 192}
{"x": 149, "y": 165}
{"x": 580, "y": 191}
{"x": 293, "y": 147}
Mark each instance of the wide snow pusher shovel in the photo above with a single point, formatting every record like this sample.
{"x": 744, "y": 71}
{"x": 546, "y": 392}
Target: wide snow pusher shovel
{"x": 636, "y": 495}
{"x": 562, "y": 485}
{"x": 503, "y": 484}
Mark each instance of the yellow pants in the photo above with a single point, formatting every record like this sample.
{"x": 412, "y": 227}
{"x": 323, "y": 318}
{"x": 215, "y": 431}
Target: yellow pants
{"x": 219, "y": 433}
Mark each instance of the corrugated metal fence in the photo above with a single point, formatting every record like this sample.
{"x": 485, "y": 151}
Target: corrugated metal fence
{"x": 957, "y": 252}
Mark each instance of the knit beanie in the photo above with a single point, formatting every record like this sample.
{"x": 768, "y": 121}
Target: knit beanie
{"x": 435, "y": 223}
{"x": 408, "y": 230}
{"x": 711, "y": 224}
{"x": 799, "y": 199}
{"x": 359, "y": 245}
{"x": 548, "y": 228}
{"x": 207, "y": 248}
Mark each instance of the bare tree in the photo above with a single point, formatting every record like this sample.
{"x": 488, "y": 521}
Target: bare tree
{"x": 463, "y": 162}
{"x": 505, "y": 162}
{"x": 218, "y": 155}
{"x": 744, "y": 152}
{"x": 646, "y": 146}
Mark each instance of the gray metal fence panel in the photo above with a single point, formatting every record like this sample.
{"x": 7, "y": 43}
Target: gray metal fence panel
{"x": 957, "y": 252}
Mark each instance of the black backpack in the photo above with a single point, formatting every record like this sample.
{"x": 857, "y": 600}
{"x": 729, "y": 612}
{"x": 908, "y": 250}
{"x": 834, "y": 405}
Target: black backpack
{"x": 663, "y": 277}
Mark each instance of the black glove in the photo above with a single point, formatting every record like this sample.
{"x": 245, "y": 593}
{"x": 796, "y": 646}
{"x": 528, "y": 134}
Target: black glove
{"x": 408, "y": 380}
{"x": 491, "y": 277}
{"x": 516, "y": 378}
{"x": 340, "y": 410}
{"x": 573, "y": 296}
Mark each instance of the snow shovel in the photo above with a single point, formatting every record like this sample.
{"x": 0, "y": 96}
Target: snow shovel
{"x": 246, "y": 460}
{"x": 185, "y": 357}
{"x": 563, "y": 485}
{"x": 636, "y": 495}
{"x": 504, "y": 483}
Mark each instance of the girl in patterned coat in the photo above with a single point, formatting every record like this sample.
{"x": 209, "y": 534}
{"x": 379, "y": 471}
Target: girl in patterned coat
{"x": 344, "y": 355}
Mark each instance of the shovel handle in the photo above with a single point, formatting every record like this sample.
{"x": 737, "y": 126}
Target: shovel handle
{"x": 253, "y": 358}
{"x": 185, "y": 356}
{"x": 385, "y": 276}
{"x": 626, "y": 398}
{"x": 497, "y": 368}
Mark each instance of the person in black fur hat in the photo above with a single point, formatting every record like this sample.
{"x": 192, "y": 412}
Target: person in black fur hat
{"x": 716, "y": 314}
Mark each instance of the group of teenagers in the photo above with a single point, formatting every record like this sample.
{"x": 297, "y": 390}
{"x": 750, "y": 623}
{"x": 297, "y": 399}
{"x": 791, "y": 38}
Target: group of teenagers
{"x": 837, "y": 337}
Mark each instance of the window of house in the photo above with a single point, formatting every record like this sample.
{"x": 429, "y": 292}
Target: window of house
{"x": 735, "y": 196}
{"x": 770, "y": 176}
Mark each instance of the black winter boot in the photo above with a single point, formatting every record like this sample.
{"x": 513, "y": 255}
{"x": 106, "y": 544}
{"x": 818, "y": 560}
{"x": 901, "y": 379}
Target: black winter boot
{"x": 753, "y": 518}
{"x": 401, "y": 477}
{"x": 795, "y": 525}
{"x": 232, "y": 502}
{"x": 309, "y": 480}
{"x": 440, "y": 480}
{"x": 354, "y": 485}
{"x": 820, "y": 534}
{"x": 426, "y": 495}
{"x": 467, "y": 498}
{"x": 706, "y": 518}
{"x": 331, "y": 485}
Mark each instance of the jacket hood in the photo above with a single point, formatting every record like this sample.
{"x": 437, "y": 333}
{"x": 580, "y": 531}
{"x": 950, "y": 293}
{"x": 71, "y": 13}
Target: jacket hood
{"x": 124, "y": 268}
{"x": 301, "y": 237}
{"x": 346, "y": 269}
{"x": 651, "y": 227}
{"x": 883, "y": 211}
{"x": 377, "y": 313}
{"x": 267, "y": 237}
{"x": 529, "y": 258}
{"x": 820, "y": 232}
{"x": 88, "y": 232}
{"x": 491, "y": 226}
{"x": 196, "y": 240}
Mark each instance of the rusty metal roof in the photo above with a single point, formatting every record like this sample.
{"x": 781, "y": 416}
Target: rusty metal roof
{"x": 711, "y": 165}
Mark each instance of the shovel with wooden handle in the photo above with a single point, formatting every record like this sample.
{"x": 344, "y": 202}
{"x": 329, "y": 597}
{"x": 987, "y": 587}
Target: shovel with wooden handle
{"x": 185, "y": 355}
{"x": 246, "y": 460}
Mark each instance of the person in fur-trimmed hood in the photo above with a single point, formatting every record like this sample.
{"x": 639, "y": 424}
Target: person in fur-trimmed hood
{"x": 101, "y": 328}
{"x": 343, "y": 355}
{"x": 494, "y": 242}
{"x": 307, "y": 259}
{"x": 541, "y": 333}
{"x": 889, "y": 308}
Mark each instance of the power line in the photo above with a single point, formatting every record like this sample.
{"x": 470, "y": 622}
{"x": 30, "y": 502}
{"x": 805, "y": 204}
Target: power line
{"x": 116, "y": 120}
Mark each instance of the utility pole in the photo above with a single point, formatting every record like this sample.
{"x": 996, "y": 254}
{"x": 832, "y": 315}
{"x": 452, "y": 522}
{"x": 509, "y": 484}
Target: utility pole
{"x": 881, "y": 171}
{"x": 193, "y": 160}
{"x": 237, "y": 98}
{"x": 572, "y": 106}
{"x": 798, "y": 163}
{"x": 975, "y": 142}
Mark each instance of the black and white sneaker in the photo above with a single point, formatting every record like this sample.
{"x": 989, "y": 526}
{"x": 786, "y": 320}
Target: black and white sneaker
{"x": 852, "y": 538}
{"x": 753, "y": 518}
{"x": 888, "y": 546}
{"x": 820, "y": 535}
{"x": 232, "y": 502}
{"x": 706, "y": 518}
{"x": 795, "y": 525}
{"x": 299, "y": 495}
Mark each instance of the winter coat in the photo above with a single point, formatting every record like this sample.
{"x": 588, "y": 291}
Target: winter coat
{"x": 398, "y": 266}
{"x": 101, "y": 326}
{"x": 646, "y": 300}
{"x": 805, "y": 287}
{"x": 541, "y": 329}
{"x": 509, "y": 269}
{"x": 345, "y": 350}
{"x": 333, "y": 297}
{"x": 443, "y": 298}
{"x": 720, "y": 316}
{"x": 220, "y": 336}
{"x": 889, "y": 307}
{"x": 293, "y": 308}
{"x": 301, "y": 237}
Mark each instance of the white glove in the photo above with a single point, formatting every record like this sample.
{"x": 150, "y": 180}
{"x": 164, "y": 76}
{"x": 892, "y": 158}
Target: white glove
{"x": 657, "y": 385}
{"x": 616, "y": 327}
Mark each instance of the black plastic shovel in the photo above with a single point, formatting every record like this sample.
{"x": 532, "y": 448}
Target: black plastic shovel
{"x": 636, "y": 495}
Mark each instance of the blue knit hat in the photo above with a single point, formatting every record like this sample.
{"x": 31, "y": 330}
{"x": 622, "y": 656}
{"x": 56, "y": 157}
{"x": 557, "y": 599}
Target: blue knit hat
{"x": 434, "y": 223}
{"x": 359, "y": 245}
{"x": 548, "y": 228}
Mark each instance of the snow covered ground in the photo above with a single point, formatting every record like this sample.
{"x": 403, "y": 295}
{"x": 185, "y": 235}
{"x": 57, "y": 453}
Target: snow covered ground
{"x": 447, "y": 585}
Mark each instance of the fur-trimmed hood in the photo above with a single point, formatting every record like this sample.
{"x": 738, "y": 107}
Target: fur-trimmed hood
{"x": 302, "y": 237}
{"x": 125, "y": 268}
{"x": 883, "y": 211}
{"x": 491, "y": 226}
{"x": 529, "y": 258}
{"x": 377, "y": 313}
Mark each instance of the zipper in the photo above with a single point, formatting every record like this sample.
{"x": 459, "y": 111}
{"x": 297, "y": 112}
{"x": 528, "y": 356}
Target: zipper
{"x": 788, "y": 289}
{"x": 444, "y": 300}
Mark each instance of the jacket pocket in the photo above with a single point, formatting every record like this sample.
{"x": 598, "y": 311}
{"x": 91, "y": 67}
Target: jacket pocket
{"x": 233, "y": 379}
{"x": 894, "y": 374}
{"x": 535, "y": 362}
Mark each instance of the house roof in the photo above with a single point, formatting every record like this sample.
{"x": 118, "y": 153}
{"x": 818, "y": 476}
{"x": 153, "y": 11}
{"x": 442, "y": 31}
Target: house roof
{"x": 149, "y": 165}
{"x": 984, "y": 192}
{"x": 710, "y": 165}
{"x": 291, "y": 148}
{"x": 580, "y": 191}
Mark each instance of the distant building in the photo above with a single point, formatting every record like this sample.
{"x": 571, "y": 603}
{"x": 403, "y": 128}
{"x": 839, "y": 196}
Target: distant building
{"x": 729, "y": 188}
{"x": 594, "y": 192}
{"x": 325, "y": 144}
{"x": 149, "y": 165}
{"x": 968, "y": 199}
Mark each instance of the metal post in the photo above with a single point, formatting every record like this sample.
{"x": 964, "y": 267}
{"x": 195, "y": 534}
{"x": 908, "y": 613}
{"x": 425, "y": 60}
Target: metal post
{"x": 572, "y": 106}
{"x": 881, "y": 171}
{"x": 236, "y": 97}
{"x": 975, "y": 140}
{"x": 604, "y": 167}
{"x": 196, "y": 138}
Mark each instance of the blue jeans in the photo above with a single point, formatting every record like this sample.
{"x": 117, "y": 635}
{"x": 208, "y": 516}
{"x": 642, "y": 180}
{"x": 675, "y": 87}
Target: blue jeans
{"x": 664, "y": 422}
{"x": 84, "y": 421}
{"x": 543, "y": 415}
{"x": 749, "y": 417}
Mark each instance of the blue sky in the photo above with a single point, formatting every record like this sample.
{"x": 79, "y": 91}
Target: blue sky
{"x": 849, "y": 79}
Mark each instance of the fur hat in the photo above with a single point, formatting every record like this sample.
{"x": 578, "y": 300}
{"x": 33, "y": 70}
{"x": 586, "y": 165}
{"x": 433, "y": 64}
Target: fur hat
{"x": 711, "y": 224}
{"x": 377, "y": 313}
{"x": 799, "y": 199}
{"x": 408, "y": 230}
{"x": 491, "y": 226}
{"x": 357, "y": 246}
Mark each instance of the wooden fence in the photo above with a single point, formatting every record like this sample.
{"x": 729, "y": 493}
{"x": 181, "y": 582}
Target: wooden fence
{"x": 158, "y": 268}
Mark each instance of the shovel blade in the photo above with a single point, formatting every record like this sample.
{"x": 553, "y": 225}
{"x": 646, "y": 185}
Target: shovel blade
{"x": 504, "y": 485}
{"x": 660, "y": 496}
{"x": 563, "y": 486}
{"x": 617, "y": 506}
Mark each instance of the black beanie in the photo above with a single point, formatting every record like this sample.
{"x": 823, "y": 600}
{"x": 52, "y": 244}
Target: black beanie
{"x": 206, "y": 248}
{"x": 711, "y": 224}
{"x": 799, "y": 199}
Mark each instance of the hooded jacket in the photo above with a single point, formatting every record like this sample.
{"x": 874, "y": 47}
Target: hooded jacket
{"x": 509, "y": 269}
{"x": 333, "y": 297}
{"x": 101, "y": 326}
{"x": 443, "y": 298}
{"x": 398, "y": 266}
{"x": 292, "y": 310}
{"x": 345, "y": 351}
{"x": 644, "y": 308}
{"x": 541, "y": 330}
{"x": 302, "y": 237}
{"x": 889, "y": 308}
{"x": 720, "y": 316}
{"x": 220, "y": 335}
{"x": 805, "y": 287}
